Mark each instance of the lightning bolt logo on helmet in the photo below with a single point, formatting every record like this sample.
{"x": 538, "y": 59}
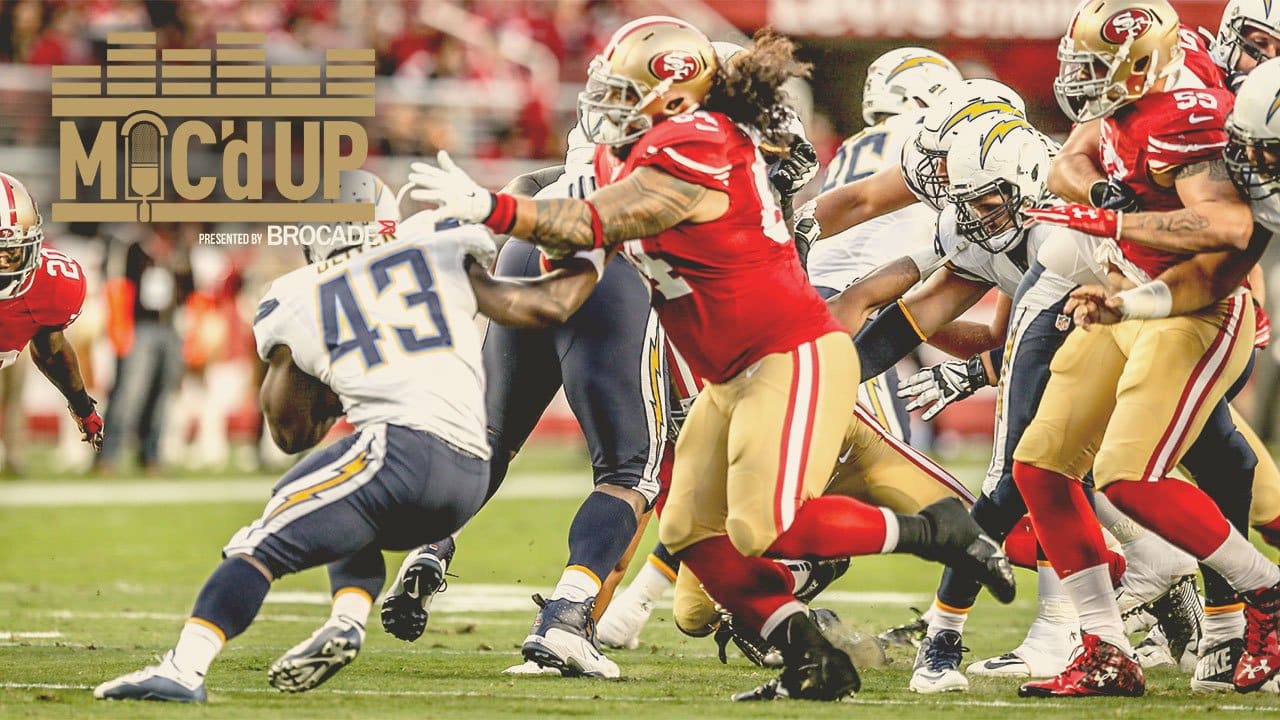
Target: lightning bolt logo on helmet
{"x": 1129, "y": 24}
{"x": 914, "y": 62}
{"x": 1271, "y": 111}
{"x": 998, "y": 133}
{"x": 976, "y": 109}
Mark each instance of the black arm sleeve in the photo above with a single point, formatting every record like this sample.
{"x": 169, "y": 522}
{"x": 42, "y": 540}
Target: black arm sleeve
{"x": 885, "y": 341}
{"x": 997, "y": 360}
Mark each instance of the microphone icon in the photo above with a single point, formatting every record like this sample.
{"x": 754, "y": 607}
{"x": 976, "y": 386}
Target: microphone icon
{"x": 144, "y": 152}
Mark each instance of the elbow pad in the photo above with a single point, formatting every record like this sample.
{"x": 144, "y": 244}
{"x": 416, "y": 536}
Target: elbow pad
{"x": 886, "y": 340}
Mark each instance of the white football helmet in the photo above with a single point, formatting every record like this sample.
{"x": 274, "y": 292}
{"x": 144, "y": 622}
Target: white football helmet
{"x": 997, "y": 166}
{"x": 1253, "y": 133}
{"x": 905, "y": 79}
{"x": 21, "y": 235}
{"x": 358, "y": 186}
{"x": 958, "y": 107}
{"x": 1238, "y": 17}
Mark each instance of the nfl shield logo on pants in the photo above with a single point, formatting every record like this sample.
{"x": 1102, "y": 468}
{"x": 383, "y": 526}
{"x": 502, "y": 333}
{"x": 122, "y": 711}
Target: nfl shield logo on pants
{"x": 1063, "y": 323}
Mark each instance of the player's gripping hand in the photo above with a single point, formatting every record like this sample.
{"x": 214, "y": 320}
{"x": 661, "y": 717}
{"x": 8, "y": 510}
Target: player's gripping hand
{"x": 938, "y": 386}
{"x": 1114, "y": 194}
{"x": 1088, "y": 220}
{"x": 796, "y": 170}
{"x": 451, "y": 190}
{"x": 90, "y": 424}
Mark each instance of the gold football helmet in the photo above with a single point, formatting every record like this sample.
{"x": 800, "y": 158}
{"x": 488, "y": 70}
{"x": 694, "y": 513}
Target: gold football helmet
{"x": 1113, "y": 53}
{"x": 21, "y": 234}
{"x": 654, "y": 66}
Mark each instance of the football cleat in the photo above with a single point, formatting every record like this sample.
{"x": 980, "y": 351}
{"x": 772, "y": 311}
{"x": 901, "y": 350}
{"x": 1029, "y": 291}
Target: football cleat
{"x": 563, "y": 637}
{"x": 1044, "y": 653}
{"x": 906, "y": 635}
{"x": 821, "y": 574}
{"x": 316, "y": 659}
{"x": 937, "y": 667}
{"x": 154, "y": 682}
{"x": 1099, "y": 669}
{"x": 956, "y": 540}
{"x": 1153, "y": 651}
{"x": 1216, "y": 667}
{"x": 623, "y": 620}
{"x": 815, "y": 669}
{"x": 1179, "y": 614}
{"x": 407, "y": 605}
{"x": 1260, "y": 659}
{"x": 750, "y": 644}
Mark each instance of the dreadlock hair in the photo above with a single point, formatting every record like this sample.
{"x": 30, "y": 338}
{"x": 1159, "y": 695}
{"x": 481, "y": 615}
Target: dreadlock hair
{"x": 748, "y": 88}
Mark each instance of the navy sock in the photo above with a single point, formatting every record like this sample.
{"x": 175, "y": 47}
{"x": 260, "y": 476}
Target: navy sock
{"x": 665, "y": 557}
{"x": 364, "y": 570}
{"x": 960, "y": 590}
{"x": 600, "y": 533}
{"x": 232, "y": 596}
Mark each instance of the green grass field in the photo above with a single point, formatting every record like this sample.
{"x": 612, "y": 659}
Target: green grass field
{"x": 89, "y": 591}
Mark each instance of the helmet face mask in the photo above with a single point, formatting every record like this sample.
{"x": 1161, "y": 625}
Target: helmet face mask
{"x": 21, "y": 237}
{"x": 1114, "y": 53}
{"x": 652, "y": 67}
{"x": 1253, "y": 163}
{"x": 931, "y": 173}
{"x": 990, "y": 215}
{"x": 1249, "y": 29}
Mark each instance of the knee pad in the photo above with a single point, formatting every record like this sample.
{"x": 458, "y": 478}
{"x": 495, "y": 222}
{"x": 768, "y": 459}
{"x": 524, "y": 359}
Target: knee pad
{"x": 675, "y": 528}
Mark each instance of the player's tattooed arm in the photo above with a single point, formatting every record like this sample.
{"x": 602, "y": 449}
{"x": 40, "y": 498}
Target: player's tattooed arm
{"x": 1213, "y": 217}
{"x": 647, "y": 202}
{"x": 54, "y": 354}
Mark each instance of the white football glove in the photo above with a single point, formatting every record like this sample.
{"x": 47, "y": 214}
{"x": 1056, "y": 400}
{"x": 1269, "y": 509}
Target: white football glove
{"x": 451, "y": 190}
{"x": 943, "y": 384}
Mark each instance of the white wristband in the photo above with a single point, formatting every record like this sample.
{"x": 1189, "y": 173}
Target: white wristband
{"x": 1148, "y": 301}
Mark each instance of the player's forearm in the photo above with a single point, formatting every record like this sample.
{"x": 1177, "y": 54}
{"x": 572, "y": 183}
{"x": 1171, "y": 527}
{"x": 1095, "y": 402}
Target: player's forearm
{"x": 1204, "y": 227}
{"x": 1076, "y": 168}
{"x": 545, "y": 301}
{"x": 57, "y": 360}
{"x": 1209, "y": 277}
{"x": 644, "y": 204}
{"x": 964, "y": 339}
{"x": 843, "y": 207}
{"x": 885, "y": 284}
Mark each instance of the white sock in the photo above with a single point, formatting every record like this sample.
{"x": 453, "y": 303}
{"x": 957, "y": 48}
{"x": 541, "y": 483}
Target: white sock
{"x": 945, "y": 617}
{"x": 351, "y": 605}
{"x": 198, "y": 644}
{"x": 652, "y": 582}
{"x": 1054, "y": 604}
{"x": 1220, "y": 626}
{"x": 891, "y": 531}
{"x": 576, "y": 585}
{"x": 1242, "y": 565}
{"x": 1095, "y": 602}
{"x": 1120, "y": 525}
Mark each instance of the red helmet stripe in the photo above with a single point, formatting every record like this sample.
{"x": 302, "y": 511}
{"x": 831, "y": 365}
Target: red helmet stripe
{"x": 8, "y": 194}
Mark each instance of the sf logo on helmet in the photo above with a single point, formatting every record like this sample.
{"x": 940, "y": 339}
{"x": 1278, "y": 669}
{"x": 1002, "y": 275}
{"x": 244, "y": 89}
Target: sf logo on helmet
{"x": 675, "y": 65}
{"x": 1127, "y": 24}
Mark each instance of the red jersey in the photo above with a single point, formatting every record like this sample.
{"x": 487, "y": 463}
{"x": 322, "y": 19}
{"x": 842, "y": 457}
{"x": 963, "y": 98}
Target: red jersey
{"x": 1145, "y": 142}
{"x": 53, "y": 301}
{"x": 728, "y": 291}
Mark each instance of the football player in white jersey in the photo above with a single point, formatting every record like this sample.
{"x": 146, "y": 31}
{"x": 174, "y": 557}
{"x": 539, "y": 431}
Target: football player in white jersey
{"x": 901, "y": 85}
{"x": 1248, "y": 36}
{"x": 382, "y": 331}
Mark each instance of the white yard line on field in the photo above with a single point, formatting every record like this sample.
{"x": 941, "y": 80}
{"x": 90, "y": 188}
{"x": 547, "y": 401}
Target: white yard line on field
{"x": 543, "y": 697}
{"x": 170, "y": 491}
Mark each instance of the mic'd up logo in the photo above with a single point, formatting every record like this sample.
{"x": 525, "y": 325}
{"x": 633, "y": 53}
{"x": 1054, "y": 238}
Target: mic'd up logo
{"x": 140, "y": 139}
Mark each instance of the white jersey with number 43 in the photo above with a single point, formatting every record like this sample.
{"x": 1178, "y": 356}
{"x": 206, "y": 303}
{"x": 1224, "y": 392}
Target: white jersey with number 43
{"x": 390, "y": 327}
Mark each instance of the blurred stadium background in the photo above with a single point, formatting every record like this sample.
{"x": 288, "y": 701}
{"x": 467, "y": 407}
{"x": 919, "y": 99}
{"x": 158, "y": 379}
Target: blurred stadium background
{"x": 492, "y": 81}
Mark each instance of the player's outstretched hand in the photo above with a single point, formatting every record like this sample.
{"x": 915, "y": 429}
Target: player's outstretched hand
{"x": 91, "y": 426}
{"x": 1091, "y": 305}
{"x": 938, "y": 386}
{"x": 1088, "y": 220}
{"x": 450, "y": 189}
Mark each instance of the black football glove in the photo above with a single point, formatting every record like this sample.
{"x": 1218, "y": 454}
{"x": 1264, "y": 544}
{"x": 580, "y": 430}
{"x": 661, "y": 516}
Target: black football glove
{"x": 1115, "y": 195}
{"x": 806, "y": 230}
{"x": 791, "y": 173}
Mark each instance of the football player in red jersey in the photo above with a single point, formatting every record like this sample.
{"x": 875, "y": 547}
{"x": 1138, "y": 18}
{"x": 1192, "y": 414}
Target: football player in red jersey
{"x": 1152, "y": 108}
{"x": 685, "y": 197}
{"x": 41, "y": 292}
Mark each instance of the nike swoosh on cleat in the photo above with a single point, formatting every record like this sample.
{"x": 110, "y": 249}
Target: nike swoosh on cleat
{"x": 996, "y": 664}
